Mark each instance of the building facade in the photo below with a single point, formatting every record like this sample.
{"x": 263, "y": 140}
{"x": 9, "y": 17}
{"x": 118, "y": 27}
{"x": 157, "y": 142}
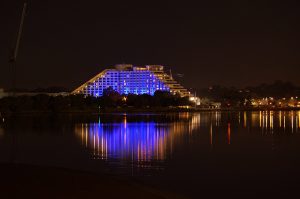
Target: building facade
{"x": 129, "y": 79}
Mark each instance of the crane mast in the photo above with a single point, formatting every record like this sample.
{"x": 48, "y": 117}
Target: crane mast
{"x": 13, "y": 58}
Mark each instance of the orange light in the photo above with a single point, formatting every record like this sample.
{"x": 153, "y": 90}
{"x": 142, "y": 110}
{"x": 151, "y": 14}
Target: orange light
{"x": 228, "y": 134}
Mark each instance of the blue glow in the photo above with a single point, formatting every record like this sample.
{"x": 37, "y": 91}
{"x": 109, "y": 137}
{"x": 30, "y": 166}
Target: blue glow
{"x": 131, "y": 141}
{"x": 139, "y": 142}
{"x": 126, "y": 82}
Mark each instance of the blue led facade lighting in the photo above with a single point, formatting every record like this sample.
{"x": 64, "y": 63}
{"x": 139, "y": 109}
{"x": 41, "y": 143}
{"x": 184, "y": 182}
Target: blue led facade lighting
{"x": 128, "y": 79}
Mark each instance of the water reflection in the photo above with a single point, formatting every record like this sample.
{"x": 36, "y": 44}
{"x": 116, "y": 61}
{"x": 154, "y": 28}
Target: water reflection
{"x": 228, "y": 133}
{"x": 1, "y": 131}
{"x": 2, "y": 120}
{"x": 146, "y": 141}
{"x": 270, "y": 121}
{"x": 138, "y": 141}
{"x": 135, "y": 141}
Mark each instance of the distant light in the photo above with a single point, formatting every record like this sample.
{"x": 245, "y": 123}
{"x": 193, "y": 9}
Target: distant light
{"x": 192, "y": 98}
{"x": 185, "y": 107}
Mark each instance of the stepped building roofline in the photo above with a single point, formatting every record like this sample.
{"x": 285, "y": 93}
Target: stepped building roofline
{"x": 130, "y": 79}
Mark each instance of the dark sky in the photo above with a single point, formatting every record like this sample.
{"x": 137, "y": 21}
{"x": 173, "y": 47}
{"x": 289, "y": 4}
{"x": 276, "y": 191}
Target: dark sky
{"x": 232, "y": 43}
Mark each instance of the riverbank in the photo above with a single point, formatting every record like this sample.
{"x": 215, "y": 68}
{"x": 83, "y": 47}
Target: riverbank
{"x": 26, "y": 181}
{"x": 142, "y": 110}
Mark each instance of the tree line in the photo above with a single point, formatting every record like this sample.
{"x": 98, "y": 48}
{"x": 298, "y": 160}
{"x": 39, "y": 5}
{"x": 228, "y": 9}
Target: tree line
{"x": 111, "y": 99}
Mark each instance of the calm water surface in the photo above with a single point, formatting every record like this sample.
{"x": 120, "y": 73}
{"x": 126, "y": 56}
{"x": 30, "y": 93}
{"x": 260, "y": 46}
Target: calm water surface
{"x": 192, "y": 154}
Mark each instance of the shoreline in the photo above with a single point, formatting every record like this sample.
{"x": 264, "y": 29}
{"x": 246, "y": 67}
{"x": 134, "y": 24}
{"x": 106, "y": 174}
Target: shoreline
{"x": 143, "y": 110}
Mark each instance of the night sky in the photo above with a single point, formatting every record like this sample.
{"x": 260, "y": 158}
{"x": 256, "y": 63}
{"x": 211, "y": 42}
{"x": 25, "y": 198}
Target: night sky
{"x": 231, "y": 43}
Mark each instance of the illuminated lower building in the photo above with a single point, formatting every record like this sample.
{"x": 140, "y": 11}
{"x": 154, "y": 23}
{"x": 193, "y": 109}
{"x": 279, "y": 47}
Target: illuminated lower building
{"x": 129, "y": 79}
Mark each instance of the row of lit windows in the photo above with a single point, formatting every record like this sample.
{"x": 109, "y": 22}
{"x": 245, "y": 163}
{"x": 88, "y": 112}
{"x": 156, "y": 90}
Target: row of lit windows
{"x": 137, "y": 82}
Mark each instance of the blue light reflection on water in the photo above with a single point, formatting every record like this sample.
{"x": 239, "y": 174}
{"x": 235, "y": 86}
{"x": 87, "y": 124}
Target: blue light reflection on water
{"x": 219, "y": 148}
{"x": 135, "y": 141}
{"x": 153, "y": 141}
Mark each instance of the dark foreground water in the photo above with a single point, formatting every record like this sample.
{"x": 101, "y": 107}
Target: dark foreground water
{"x": 208, "y": 154}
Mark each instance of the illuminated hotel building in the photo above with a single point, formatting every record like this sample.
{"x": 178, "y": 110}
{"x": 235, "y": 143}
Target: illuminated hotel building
{"x": 129, "y": 79}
